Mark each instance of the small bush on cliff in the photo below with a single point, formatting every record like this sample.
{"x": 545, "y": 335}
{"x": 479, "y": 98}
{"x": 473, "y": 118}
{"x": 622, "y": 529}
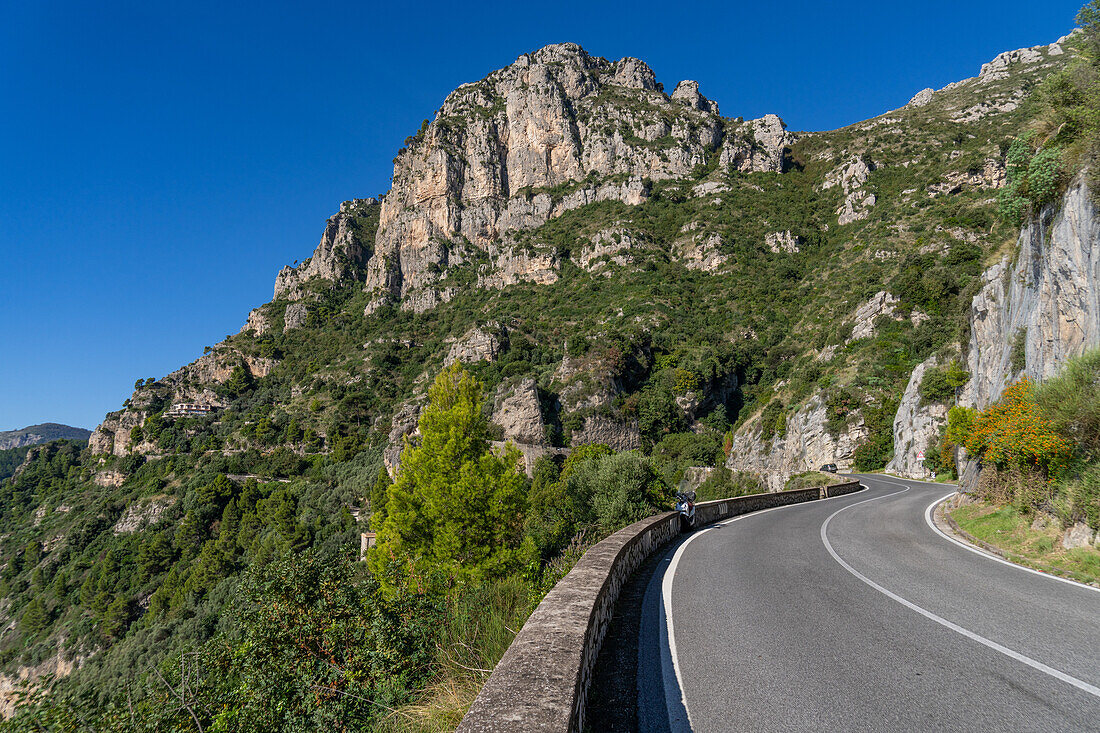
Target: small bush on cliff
{"x": 939, "y": 384}
{"x": 455, "y": 506}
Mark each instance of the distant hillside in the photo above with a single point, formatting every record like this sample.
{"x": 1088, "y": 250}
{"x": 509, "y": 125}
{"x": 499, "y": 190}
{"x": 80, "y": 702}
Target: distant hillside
{"x": 44, "y": 433}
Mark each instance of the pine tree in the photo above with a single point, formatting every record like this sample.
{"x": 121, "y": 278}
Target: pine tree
{"x": 455, "y": 505}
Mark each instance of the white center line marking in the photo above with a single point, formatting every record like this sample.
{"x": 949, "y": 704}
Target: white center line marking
{"x": 1034, "y": 664}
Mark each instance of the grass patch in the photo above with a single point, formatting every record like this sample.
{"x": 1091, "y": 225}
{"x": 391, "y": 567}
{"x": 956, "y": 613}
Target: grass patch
{"x": 1034, "y": 544}
{"x": 809, "y": 479}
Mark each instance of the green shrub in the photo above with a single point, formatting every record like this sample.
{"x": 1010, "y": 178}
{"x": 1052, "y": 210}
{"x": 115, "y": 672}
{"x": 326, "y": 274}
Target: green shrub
{"x": 723, "y": 483}
{"x": 940, "y": 383}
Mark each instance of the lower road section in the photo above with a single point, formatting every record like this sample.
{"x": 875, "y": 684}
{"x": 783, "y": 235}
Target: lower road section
{"x": 855, "y": 614}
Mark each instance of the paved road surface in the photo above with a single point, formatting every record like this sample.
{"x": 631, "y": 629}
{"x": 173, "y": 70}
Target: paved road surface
{"x": 853, "y": 614}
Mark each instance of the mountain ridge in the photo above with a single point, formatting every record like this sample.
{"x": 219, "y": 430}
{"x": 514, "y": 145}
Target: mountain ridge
{"x": 41, "y": 433}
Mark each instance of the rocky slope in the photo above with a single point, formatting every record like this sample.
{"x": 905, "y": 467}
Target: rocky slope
{"x": 1040, "y": 304}
{"x": 916, "y": 427}
{"x": 616, "y": 265}
{"x": 560, "y": 133}
{"x": 974, "y": 101}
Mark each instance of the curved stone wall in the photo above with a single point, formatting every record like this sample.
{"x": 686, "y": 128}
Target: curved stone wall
{"x": 541, "y": 683}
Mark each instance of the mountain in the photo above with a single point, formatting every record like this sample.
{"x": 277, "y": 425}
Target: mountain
{"x": 617, "y": 265}
{"x": 44, "y": 433}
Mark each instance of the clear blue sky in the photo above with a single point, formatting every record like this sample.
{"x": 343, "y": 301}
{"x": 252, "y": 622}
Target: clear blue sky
{"x": 159, "y": 162}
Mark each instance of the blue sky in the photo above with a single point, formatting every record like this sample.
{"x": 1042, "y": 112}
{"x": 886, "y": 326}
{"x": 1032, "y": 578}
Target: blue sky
{"x": 160, "y": 162}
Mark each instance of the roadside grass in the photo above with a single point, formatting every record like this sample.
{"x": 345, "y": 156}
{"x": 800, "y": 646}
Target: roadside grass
{"x": 482, "y": 620}
{"x": 1034, "y": 544}
{"x": 809, "y": 479}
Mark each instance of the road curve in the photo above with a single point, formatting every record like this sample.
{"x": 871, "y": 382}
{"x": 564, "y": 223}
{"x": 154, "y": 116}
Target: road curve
{"x": 853, "y": 614}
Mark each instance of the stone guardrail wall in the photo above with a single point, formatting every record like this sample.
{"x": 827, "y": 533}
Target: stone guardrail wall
{"x": 541, "y": 683}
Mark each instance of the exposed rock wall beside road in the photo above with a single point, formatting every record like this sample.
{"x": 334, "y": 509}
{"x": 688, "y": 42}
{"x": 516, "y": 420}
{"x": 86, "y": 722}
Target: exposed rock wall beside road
{"x": 1045, "y": 298}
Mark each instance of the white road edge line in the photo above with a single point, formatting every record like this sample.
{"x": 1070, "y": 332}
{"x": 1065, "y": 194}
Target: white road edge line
{"x": 977, "y": 550}
{"x": 1034, "y": 664}
{"x": 989, "y": 555}
{"x": 666, "y": 598}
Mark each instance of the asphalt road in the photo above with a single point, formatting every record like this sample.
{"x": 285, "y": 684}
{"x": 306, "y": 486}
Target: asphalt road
{"x": 853, "y": 614}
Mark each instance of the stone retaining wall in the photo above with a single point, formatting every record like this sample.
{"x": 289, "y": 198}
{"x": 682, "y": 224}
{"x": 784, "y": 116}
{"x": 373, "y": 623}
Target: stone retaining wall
{"x": 541, "y": 683}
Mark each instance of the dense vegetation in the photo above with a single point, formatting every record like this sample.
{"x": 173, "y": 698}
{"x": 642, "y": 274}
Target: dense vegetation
{"x": 1040, "y": 444}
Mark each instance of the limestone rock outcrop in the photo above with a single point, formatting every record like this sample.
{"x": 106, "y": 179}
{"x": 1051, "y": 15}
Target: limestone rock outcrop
{"x": 193, "y": 383}
{"x": 851, "y": 176}
{"x": 700, "y": 252}
{"x": 806, "y": 445}
{"x": 516, "y": 410}
{"x": 881, "y": 303}
{"x": 143, "y": 513}
{"x": 780, "y": 242}
{"x": 479, "y": 344}
{"x": 527, "y": 143}
{"x": 1043, "y": 301}
{"x": 404, "y": 425}
{"x": 921, "y": 98}
{"x": 916, "y": 427}
{"x": 295, "y": 316}
{"x": 616, "y": 433}
{"x": 345, "y": 247}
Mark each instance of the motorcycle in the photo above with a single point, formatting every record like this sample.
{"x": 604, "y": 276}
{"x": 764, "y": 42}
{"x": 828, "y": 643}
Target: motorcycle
{"x": 685, "y": 505}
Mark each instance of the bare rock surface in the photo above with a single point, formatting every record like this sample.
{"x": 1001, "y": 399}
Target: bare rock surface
{"x": 806, "y": 445}
{"x": 342, "y": 251}
{"x": 916, "y": 427}
{"x": 1046, "y": 296}
{"x": 521, "y": 146}
{"x": 295, "y": 316}
{"x": 784, "y": 241}
{"x": 479, "y": 344}
{"x": 403, "y": 426}
{"x": 881, "y": 303}
{"x": 516, "y": 410}
{"x": 143, "y": 513}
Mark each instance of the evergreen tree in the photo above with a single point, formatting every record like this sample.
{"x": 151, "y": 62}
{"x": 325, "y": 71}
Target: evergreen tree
{"x": 455, "y": 506}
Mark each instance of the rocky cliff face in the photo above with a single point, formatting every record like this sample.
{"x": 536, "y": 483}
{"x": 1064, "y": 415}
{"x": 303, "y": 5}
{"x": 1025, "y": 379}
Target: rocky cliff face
{"x": 345, "y": 247}
{"x": 806, "y": 445}
{"x": 916, "y": 427}
{"x": 1039, "y": 305}
{"x": 529, "y": 142}
{"x": 193, "y": 383}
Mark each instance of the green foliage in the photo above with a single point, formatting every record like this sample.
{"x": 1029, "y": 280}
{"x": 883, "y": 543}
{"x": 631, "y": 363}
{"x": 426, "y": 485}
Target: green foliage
{"x": 651, "y": 333}
{"x": 11, "y": 459}
{"x": 840, "y": 404}
{"x": 318, "y": 645}
{"x": 617, "y": 489}
{"x": 940, "y": 384}
{"x": 810, "y": 479}
{"x": 722, "y": 483}
{"x": 773, "y": 420}
{"x": 35, "y": 618}
{"x": 596, "y": 491}
{"x": 680, "y": 450}
{"x": 1035, "y": 177}
{"x": 455, "y": 506}
{"x": 1018, "y": 357}
{"x": 877, "y": 450}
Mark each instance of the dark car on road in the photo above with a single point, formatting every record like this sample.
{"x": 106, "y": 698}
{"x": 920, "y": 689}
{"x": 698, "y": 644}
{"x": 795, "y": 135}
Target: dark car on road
{"x": 829, "y": 467}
